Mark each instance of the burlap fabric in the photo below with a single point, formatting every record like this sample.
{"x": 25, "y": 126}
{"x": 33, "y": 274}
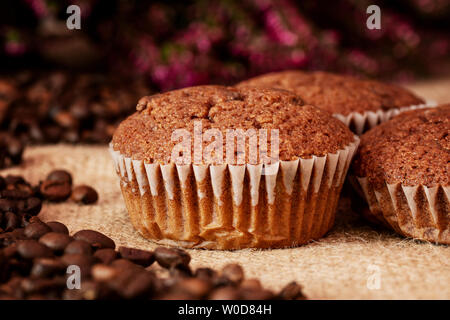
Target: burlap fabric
{"x": 348, "y": 263}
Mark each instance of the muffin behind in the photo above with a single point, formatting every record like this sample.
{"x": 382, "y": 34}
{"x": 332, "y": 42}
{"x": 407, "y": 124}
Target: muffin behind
{"x": 287, "y": 201}
{"x": 361, "y": 104}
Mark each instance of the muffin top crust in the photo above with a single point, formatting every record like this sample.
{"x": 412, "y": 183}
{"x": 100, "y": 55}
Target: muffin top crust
{"x": 303, "y": 130}
{"x": 337, "y": 93}
{"x": 412, "y": 148}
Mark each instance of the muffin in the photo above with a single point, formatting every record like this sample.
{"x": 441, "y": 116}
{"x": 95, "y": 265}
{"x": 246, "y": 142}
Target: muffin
{"x": 360, "y": 104}
{"x": 285, "y": 196}
{"x": 403, "y": 169}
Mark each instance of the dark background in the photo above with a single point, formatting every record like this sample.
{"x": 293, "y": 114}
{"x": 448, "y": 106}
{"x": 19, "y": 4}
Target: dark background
{"x": 60, "y": 85}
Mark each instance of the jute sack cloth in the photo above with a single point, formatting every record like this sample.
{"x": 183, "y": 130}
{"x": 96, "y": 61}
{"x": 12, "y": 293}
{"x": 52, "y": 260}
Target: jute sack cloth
{"x": 354, "y": 261}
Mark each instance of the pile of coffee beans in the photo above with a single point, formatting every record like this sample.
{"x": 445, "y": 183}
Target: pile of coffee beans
{"x": 57, "y": 187}
{"x": 19, "y": 200}
{"x": 37, "y": 107}
{"x": 41, "y": 260}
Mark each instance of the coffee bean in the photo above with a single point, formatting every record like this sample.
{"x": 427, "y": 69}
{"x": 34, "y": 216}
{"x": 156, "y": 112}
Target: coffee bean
{"x": 84, "y": 195}
{"x": 36, "y": 230}
{"x": 31, "y": 249}
{"x": 12, "y": 221}
{"x": 96, "y": 239}
{"x": 198, "y": 288}
{"x": 42, "y": 285}
{"x": 123, "y": 264}
{"x": 171, "y": 257}
{"x": 225, "y": 293}
{"x": 84, "y": 262}
{"x": 251, "y": 284}
{"x": 292, "y": 291}
{"x": 106, "y": 256}
{"x": 233, "y": 272}
{"x": 2, "y": 183}
{"x": 255, "y": 294}
{"x": 7, "y": 205}
{"x": 55, "y": 191}
{"x": 78, "y": 247}
{"x": 58, "y": 227}
{"x": 47, "y": 267}
{"x": 131, "y": 284}
{"x": 102, "y": 272}
{"x": 55, "y": 241}
{"x": 33, "y": 206}
{"x": 90, "y": 290}
{"x": 205, "y": 274}
{"x": 60, "y": 176}
{"x": 141, "y": 257}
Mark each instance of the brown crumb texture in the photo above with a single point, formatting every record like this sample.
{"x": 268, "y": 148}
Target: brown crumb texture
{"x": 412, "y": 148}
{"x": 304, "y": 130}
{"x": 338, "y": 93}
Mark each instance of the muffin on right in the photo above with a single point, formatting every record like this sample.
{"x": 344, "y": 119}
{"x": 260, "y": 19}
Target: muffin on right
{"x": 403, "y": 169}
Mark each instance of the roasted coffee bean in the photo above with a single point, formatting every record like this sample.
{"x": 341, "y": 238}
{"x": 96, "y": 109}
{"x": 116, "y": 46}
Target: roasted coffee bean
{"x": 205, "y": 274}
{"x": 197, "y": 288}
{"x": 55, "y": 241}
{"x": 60, "y": 176}
{"x": 102, "y": 272}
{"x": 131, "y": 284}
{"x": 55, "y": 191}
{"x": 79, "y": 247}
{"x": 84, "y": 262}
{"x": 225, "y": 293}
{"x": 141, "y": 257}
{"x": 58, "y": 227}
{"x": 251, "y": 284}
{"x": 7, "y": 205}
{"x": 47, "y": 267}
{"x": 171, "y": 257}
{"x": 96, "y": 239}
{"x": 180, "y": 271}
{"x": 32, "y": 206}
{"x": 15, "y": 150}
{"x": 36, "y": 230}
{"x": 38, "y": 285}
{"x": 2, "y": 183}
{"x": 31, "y": 249}
{"x": 84, "y": 195}
{"x": 233, "y": 272}
{"x": 292, "y": 291}
{"x": 12, "y": 221}
{"x": 89, "y": 290}
{"x": 255, "y": 294}
{"x": 123, "y": 264}
{"x": 106, "y": 256}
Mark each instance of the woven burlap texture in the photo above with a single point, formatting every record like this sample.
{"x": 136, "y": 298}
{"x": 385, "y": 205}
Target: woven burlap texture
{"x": 343, "y": 265}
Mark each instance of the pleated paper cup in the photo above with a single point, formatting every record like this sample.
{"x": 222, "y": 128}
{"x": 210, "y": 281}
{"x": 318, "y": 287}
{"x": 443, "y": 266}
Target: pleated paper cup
{"x": 234, "y": 206}
{"x": 361, "y": 122}
{"x": 419, "y": 211}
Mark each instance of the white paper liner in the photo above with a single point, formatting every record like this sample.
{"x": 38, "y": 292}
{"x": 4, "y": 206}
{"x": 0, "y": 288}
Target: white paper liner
{"x": 361, "y": 122}
{"x": 170, "y": 182}
{"x": 414, "y": 211}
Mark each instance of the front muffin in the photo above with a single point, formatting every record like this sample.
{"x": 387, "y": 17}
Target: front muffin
{"x": 403, "y": 168}
{"x": 361, "y": 104}
{"x": 227, "y": 168}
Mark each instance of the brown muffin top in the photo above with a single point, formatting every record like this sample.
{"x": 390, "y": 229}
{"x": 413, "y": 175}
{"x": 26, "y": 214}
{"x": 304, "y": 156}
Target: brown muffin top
{"x": 304, "y": 130}
{"x": 412, "y": 148}
{"x": 337, "y": 93}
